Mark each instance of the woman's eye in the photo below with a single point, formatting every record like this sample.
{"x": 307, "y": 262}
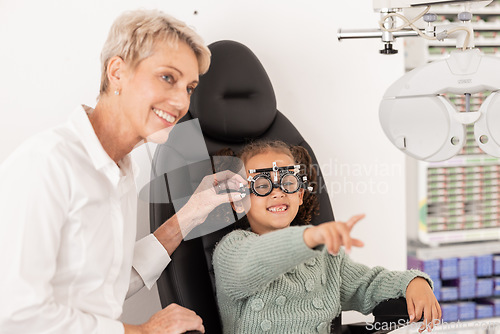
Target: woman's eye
{"x": 262, "y": 186}
{"x": 167, "y": 78}
{"x": 190, "y": 90}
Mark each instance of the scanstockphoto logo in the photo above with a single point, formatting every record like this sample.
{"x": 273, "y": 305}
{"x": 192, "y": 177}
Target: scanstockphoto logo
{"x": 438, "y": 326}
{"x": 356, "y": 178}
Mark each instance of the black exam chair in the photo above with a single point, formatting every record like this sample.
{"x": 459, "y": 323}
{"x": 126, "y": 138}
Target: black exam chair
{"x": 234, "y": 103}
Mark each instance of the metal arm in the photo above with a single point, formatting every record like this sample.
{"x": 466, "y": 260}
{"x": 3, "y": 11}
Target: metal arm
{"x": 390, "y": 11}
{"x": 371, "y": 33}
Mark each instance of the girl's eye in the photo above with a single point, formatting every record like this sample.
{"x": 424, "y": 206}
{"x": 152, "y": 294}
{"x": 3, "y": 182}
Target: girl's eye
{"x": 190, "y": 90}
{"x": 168, "y": 78}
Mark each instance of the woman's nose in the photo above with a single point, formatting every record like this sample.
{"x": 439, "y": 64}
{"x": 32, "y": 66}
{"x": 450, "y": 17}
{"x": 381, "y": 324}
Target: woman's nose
{"x": 179, "y": 100}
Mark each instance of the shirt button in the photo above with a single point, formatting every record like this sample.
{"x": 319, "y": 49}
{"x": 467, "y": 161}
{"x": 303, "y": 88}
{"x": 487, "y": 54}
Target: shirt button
{"x": 322, "y": 328}
{"x": 311, "y": 262}
{"x": 257, "y": 305}
{"x": 281, "y": 300}
{"x": 266, "y": 325}
{"x": 318, "y": 303}
{"x": 309, "y": 285}
{"x": 323, "y": 278}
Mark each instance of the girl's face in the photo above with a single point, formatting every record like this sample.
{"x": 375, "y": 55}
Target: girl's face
{"x": 156, "y": 94}
{"x": 278, "y": 209}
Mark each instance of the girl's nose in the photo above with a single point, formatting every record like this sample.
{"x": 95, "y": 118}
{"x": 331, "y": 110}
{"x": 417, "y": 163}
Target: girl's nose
{"x": 277, "y": 193}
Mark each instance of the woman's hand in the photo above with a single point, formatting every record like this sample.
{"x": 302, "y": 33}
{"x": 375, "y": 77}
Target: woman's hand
{"x": 333, "y": 235}
{"x": 212, "y": 191}
{"x": 173, "y": 319}
{"x": 420, "y": 300}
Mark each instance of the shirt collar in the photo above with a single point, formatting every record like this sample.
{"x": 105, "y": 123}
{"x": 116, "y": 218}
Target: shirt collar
{"x": 81, "y": 123}
{"x": 127, "y": 167}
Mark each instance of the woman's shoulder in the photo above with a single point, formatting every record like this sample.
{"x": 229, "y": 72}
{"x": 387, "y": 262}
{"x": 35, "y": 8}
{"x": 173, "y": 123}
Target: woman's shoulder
{"x": 38, "y": 150}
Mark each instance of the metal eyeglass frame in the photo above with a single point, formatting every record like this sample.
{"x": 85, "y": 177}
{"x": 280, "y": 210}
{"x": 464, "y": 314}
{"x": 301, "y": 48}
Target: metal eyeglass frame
{"x": 283, "y": 172}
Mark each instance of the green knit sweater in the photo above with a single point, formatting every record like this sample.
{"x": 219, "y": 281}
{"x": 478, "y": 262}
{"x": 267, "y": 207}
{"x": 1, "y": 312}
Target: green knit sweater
{"x": 274, "y": 283}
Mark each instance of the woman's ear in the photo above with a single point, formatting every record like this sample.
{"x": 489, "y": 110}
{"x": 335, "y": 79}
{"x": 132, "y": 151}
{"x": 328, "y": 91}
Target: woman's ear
{"x": 114, "y": 71}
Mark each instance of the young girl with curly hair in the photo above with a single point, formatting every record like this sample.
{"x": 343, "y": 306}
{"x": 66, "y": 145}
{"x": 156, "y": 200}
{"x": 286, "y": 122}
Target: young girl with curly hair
{"x": 281, "y": 275}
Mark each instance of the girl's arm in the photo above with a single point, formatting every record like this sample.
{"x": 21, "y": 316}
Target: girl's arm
{"x": 362, "y": 288}
{"x": 245, "y": 262}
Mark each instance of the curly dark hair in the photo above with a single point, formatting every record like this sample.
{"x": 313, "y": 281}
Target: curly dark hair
{"x": 299, "y": 154}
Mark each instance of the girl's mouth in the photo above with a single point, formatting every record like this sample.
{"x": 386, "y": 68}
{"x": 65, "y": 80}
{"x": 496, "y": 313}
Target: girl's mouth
{"x": 278, "y": 208}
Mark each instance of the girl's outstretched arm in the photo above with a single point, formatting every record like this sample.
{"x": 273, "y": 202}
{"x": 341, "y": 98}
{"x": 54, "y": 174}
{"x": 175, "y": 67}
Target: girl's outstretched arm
{"x": 245, "y": 262}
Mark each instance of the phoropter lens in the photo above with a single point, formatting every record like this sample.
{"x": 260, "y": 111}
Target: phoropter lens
{"x": 290, "y": 183}
{"x": 262, "y": 186}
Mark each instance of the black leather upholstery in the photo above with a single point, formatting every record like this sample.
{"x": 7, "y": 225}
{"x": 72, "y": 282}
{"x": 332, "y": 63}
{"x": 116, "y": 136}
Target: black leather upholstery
{"x": 235, "y": 100}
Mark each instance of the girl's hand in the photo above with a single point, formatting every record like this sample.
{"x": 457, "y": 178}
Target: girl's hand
{"x": 420, "y": 300}
{"x": 333, "y": 235}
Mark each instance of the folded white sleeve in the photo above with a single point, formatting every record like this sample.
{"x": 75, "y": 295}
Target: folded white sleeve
{"x": 150, "y": 259}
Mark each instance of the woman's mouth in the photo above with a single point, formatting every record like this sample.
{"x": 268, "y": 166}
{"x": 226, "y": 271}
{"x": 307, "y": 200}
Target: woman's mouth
{"x": 278, "y": 208}
{"x": 160, "y": 113}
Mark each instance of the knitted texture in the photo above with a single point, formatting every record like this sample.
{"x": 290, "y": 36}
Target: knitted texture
{"x": 274, "y": 283}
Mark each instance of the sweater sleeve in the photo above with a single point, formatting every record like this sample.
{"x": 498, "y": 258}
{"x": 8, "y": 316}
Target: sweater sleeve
{"x": 245, "y": 262}
{"x": 363, "y": 288}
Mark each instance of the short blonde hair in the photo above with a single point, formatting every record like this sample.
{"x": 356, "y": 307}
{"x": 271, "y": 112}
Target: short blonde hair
{"x": 133, "y": 36}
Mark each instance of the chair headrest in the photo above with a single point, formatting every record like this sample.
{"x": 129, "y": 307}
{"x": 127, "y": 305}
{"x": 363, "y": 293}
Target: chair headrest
{"x": 234, "y": 99}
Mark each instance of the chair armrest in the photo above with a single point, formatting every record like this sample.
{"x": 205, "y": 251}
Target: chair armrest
{"x": 391, "y": 310}
{"x": 389, "y": 315}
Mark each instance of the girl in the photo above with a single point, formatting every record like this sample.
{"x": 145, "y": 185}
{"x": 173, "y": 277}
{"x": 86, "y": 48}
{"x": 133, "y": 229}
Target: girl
{"x": 280, "y": 279}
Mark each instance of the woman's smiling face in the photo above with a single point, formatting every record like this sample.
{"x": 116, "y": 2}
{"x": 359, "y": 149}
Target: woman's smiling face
{"x": 156, "y": 94}
{"x": 278, "y": 209}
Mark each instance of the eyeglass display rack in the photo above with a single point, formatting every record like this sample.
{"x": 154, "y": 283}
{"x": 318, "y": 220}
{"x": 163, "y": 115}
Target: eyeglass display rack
{"x": 458, "y": 199}
{"x": 466, "y": 279}
{"x": 454, "y": 206}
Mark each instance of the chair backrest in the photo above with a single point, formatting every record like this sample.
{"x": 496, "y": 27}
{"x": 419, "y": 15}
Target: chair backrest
{"x": 234, "y": 104}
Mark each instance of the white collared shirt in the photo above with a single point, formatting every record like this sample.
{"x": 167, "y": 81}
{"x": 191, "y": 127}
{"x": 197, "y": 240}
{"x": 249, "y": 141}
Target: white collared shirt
{"x": 67, "y": 235}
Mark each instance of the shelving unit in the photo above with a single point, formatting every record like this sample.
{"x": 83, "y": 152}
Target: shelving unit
{"x": 459, "y": 199}
{"x": 466, "y": 278}
{"x": 455, "y": 237}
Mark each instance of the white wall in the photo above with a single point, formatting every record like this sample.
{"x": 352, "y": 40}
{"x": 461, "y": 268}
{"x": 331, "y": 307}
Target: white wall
{"x": 49, "y": 63}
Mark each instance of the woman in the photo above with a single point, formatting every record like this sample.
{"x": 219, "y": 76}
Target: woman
{"x": 68, "y": 198}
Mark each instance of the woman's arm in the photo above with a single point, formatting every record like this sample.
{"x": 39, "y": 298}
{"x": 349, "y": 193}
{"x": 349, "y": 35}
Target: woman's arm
{"x": 203, "y": 201}
{"x": 152, "y": 253}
